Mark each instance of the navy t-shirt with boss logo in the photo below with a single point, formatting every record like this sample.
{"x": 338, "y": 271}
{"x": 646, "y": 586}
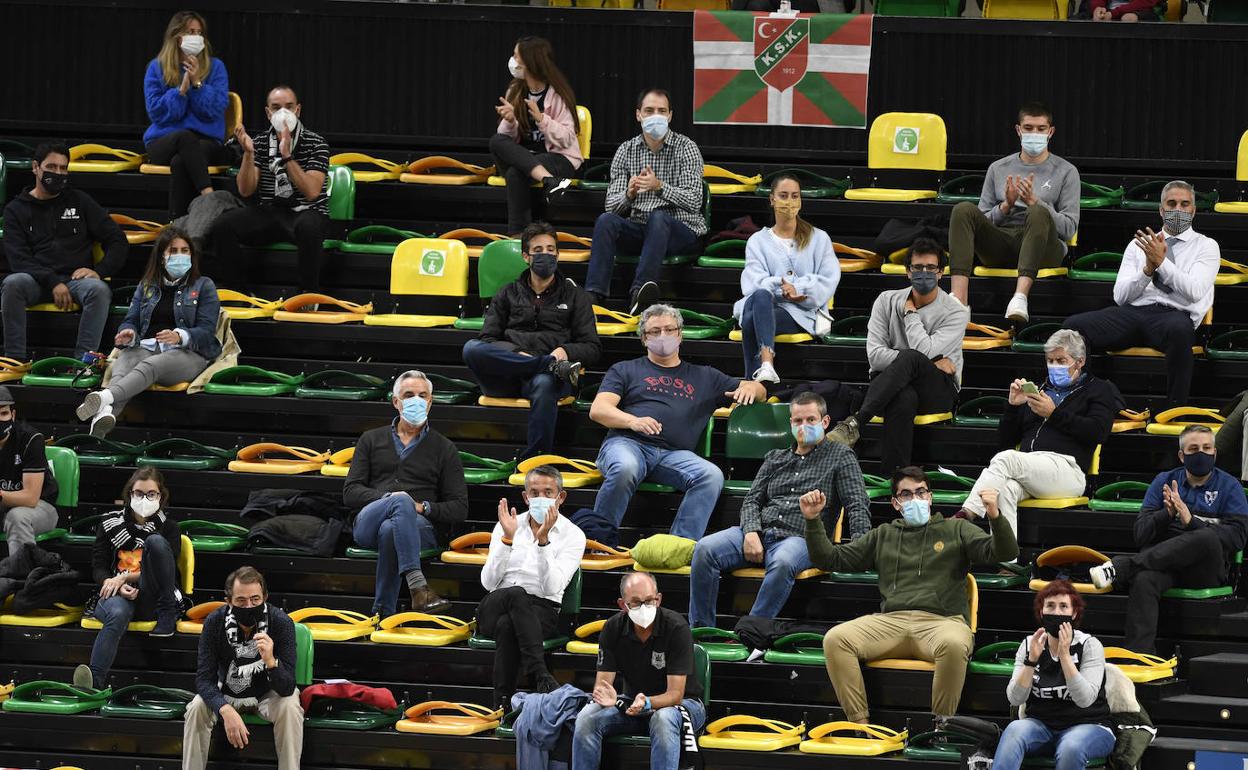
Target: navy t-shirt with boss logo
{"x": 682, "y": 398}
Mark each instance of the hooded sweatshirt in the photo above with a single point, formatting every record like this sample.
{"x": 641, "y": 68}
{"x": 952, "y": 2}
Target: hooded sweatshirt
{"x": 921, "y": 568}
{"x": 50, "y": 239}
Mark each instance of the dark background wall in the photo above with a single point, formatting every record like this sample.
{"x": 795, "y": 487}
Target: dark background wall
{"x": 414, "y": 76}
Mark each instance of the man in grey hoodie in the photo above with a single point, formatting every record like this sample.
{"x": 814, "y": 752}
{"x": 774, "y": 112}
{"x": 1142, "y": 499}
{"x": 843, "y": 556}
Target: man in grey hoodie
{"x": 1027, "y": 213}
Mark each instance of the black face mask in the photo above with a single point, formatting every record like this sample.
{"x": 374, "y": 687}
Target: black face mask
{"x": 1053, "y": 623}
{"x": 6, "y": 427}
{"x": 543, "y": 265}
{"x": 248, "y": 616}
{"x": 52, "y": 182}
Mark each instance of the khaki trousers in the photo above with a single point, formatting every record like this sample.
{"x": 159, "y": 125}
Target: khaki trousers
{"x": 1018, "y": 475}
{"x": 284, "y": 712}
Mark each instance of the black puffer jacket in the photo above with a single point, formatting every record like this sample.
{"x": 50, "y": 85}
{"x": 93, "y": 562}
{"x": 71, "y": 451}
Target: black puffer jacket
{"x": 1084, "y": 419}
{"x": 562, "y": 316}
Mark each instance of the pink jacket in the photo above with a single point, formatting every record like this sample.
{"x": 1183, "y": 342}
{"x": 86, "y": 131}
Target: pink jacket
{"x": 557, "y": 126}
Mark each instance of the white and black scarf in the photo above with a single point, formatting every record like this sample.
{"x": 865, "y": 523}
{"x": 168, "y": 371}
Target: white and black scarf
{"x": 240, "y": 687}
{"x": 282, "y": 188}
{"x": 127, "y": 535}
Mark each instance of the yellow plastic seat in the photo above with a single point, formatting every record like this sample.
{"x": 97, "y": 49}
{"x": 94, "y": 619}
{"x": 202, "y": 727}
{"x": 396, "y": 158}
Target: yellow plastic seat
{"x": 1241, "y": 175}
{"x": 471, "y": 238}
{"x": 100, "y": 159}
{"x": 1072, "y": 555}
{"x": 339, "y": 463}
{"x": 1009, "y": 272}
{"x": 294, "y": 310}
{"x": 443, "y": 170}
{"x": 1129, "y": 419}
{"x": 1054, "y": 503}
{"x": 685, "y": 570}
{"x": 58, "y": 615}
{"x": 579, "y": 251}
{"x": 186, "y": 570}
{"x": 759, "y": 573}
{"x": 984, "y": 337}
{"x": 914, "y": 664}
{"x": 599, "y": 556}
{"x": 137, "y": 230}
{"x": 1172, "y": 421}
{"x": 381, "y": 170}
{"x": 517, "y": 403}
{"x": 1052, "y": 10}
{"x": 585, "y": 130}
{"x": 247, "y": 307}
{"x": 576, "y": 473}
{"x": 743, "y": 732}
{"x": 1230, "y": 273}
{"x": 612, "y": 322}
{"x": 430, "y": 267}
{"x": 431, "y": 718}
{"x": 419, "y": 629}
{"x": 193, "y": 623}
{"x": 1141, "y": 667}
{"x": 278, "y": 459}
{"x": 177, "y": 387}
{"x": 921, "y": 419}
{"x": 233, "y": 119}
{"x": 472, "y": 548}
{"x": 914, "y": 141}
{"x": 825, "y": 740}
{"x": 580, "y": 645}
{"x": 896, "y": 263}
{"x": 737, "y": 183}
{"x": 855, "y": 260}
{"x": 338, "y": 626}
{"x": 12, "y": 370}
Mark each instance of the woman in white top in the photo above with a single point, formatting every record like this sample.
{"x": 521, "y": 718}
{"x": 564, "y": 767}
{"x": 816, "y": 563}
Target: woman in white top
{"x": 790, "y": 275}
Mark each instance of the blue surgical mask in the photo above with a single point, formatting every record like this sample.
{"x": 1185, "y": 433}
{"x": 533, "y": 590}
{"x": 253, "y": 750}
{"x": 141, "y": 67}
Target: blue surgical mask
{"x": 177, "y": 265}
{"x": 916, "y": 512}
{"x": 1035, "y": 144}
{"x": 415, "y": 411}
{"x": 539, "y": 507}
{"x": 654, "y": 126}
{"x": 1059, "y": 376}
{"x": 808, "y": 433}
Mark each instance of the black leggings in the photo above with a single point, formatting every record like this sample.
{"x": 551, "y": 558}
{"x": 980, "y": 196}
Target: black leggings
{"x": 515, "y": 163}
{"x": 188, "y": 156}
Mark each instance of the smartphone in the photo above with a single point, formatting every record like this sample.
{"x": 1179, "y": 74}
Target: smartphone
{"x": 1030, "y": 387}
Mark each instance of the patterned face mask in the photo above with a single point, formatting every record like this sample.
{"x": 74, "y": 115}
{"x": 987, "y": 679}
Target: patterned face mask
{"x": 1177, "y": 221}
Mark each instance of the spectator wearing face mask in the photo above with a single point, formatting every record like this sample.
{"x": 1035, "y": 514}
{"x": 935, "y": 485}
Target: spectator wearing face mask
{"x": 1163, "y": 290}
{"x": 169, "y": 334}
{"x": 406, "y": 483}
{"x": 539, "y": 333}
{"x": 27, "y": 488}
{"x": 654, "y": 204}
{"x": 657, "y": 408}
{"x": 134, "y": 561}
{"x": 50, "y": 231}
{"x": 1193, "y": 521}
{"x": 284, "y": 175}
{"x": 1027, "y": 213}
{"x": 923, "y": 559}
{"x": 186, "y": 91}
{"x": 914, "y": 348}
{"x": 536, "y": 139}
{"x": 532, "y": 558}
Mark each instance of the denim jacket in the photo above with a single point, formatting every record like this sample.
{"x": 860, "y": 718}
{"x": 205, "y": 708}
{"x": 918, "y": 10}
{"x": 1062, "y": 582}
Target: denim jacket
{"x": 195, "y": 311}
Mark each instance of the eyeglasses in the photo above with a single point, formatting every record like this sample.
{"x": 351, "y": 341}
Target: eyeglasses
{"x": 145, "y": 495}
{"x": 905, "y": 495}
{"x": 670, "y": 331}
{"x": 925, "y": 268}
{"x": 636, "y": 605}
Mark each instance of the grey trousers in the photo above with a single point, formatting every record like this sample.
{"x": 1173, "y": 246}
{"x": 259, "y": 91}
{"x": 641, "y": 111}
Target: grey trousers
{"x": 285, "y": 713}
{"x": 137, "y": 369}
{"x": 22, "y": 524}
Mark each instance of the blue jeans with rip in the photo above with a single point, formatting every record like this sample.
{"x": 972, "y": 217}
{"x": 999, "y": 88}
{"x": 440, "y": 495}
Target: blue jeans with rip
{"x": 597, "y": 722}
{"x": 1072, "y": 747}
{"x": 393, "y": 528}
{"x": 625, "y": 463}
{"x": 783, "y": 558}
{"x": 762, "y": 319}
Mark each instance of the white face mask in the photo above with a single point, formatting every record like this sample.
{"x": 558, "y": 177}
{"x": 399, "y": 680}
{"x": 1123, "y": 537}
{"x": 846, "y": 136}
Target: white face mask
{"x": 284, "y": 118}
{"x": 144, "y": 508}
{"x": 514, "y": 68}
{"x": 643, "y": 615}
{"x": 192, "y": 45}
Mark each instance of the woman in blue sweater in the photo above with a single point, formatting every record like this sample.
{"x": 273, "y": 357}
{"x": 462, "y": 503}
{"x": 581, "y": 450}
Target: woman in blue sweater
{"x": 186, "y": 92}
{"x": 169, "y": 335}
{"x": 790, "y": 275}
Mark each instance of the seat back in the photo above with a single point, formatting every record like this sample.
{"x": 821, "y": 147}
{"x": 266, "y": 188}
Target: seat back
{"x": 233, "y": 114}
{"x": 702, "y": 671}
{"x": 587, "y": 129}
{"x": 186, "y": 566}
{"x": 571, "y": 606}
{"x": 972, "y": 601}
{"x": 305, "y": 650}
{"x": 756, "y": 429}
{"x": 916, "y": 7}
{"x": 907, "y": 140}
{"x": 1241, "y": 159}
{"x": 341, "y": 194}
{"x": 430, "y": 267}
{"x": 500, "y": 263}
{"x": 63, "y": 463}
{"x": 1025, "y": 9}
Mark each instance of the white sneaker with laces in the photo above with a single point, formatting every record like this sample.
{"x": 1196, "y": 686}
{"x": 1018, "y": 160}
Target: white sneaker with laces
{"x": 1017, "y": 309}
{"x": 1103, "y": 575}
{"x": 765, "y": 373}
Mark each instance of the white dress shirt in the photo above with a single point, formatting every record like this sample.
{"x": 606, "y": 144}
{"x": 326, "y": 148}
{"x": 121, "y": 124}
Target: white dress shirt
{"x": 1191, "y": 264}
{"x": 540, "y": 570}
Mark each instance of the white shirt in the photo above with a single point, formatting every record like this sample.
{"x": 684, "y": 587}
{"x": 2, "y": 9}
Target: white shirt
{"x": 540, "y": 570}
{"x": 1195, "y": 263}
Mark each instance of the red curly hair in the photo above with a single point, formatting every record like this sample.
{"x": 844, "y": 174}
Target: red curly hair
{"x": 1057, "y": 588}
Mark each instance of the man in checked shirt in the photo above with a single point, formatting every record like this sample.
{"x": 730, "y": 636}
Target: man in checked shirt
{"x": 772, "y": 532}
{"x": 654, "y": 204}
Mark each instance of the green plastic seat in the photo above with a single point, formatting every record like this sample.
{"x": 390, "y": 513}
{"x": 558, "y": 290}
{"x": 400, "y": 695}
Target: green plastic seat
{"x": 62, "y": 372}
{"x": 1031, "y": 339}
{"x": 868, "y": 577}
{"x": 596, "y": 177}
{"x": 483, "y": 470}
{"x": 82, "y": 531}
{"x": 568, "y": 611}
{"x": 92, "y": 450}
{"x": 813, "y": 185}
{"x": 981, "y": 412}
{"x": 966, "y": 188}
{"x": 340, "y": 198}
{"x": 1019, "y": 574}
{"x": 729, "y": 254}
{"x": 63, "y": 463}
{"x": 341, "y": 714}
{"x": 1229, "y": 346}
{"x": 848, "y": 331}
{"x": 721, "y": 645}
{"x": 16, "y": 155}
{"x": 214, "y": 536}
{"x": 874, "y": 484}
{"x": 800, "y": 649}
{"x": 1125, "y": 496}
{"x": 701, "y": 671}
{"x": 342, "y": 385}
{"x": 947, "y": 489}
{"x": 247, "y": 380}
{"x": 500, "y": 263}
{"x": 360, "y": 552}
{"x": 47, "y": 697}
{"x": 950, "y": 8}
{"x": 1095, "y": 196}
{"x": 147, "y": 701}
{"x": 183, "y": 454}
{"x": 1099, "y": 266}
{"x": 1210, "y": 593}
{"x": 996, "y": 659}
{"x": 678, "y": 259}
{"x": 939, "y": 746}
{"x": 704, "y": 326}
{"x": 449, "y": 390}
{"x": 1146, "y": 196}
{"x": 375, "y": 239}
{"x": 1220, "y": 12}
{"x": 122, "y": 296}
{"x": 305, "y": 654}
{"x": 753, "y": 431}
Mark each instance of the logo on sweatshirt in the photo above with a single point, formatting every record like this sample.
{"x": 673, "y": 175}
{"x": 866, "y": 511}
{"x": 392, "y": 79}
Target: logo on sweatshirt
{"x": 69, "y": 213}
{"x": 1211, "y": 496}
{"x": 938, "y": 546}
{"x": 1048, "y": 185}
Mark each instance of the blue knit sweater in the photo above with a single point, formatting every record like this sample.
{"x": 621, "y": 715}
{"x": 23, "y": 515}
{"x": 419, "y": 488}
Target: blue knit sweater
{"x": 202, "y": 109}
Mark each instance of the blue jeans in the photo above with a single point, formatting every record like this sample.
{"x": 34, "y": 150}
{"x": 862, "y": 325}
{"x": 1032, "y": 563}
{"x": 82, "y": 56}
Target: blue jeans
{"x": 1072, "y": 748}
{"x": 156, "y": 589}
{"x": 625, "y": 463}
{"x": 393, "y": 528}
{"x": 783, "y": 558}
{"x": 507, "y": 374}
{"x": 661, "y": 235}
{"x": 762, "y": 319}
{"x": 21, "y": 290}
{"x": 596, "y": 722}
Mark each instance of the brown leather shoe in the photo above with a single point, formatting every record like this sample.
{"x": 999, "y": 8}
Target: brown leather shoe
{"x": 425, "y": 600}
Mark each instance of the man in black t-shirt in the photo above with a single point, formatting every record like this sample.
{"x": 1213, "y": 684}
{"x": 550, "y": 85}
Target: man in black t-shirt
{"x": 657, "y": 408}
{"x": 651, "y": 649}
{"x": 27, "y": 489}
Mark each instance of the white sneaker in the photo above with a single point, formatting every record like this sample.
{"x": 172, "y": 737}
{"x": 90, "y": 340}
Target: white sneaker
{"x": 103, "y": 422}
{"x": 1017, "y": 309}
{"x": 1103, "y": 575}
{"x": 765, "y": 373}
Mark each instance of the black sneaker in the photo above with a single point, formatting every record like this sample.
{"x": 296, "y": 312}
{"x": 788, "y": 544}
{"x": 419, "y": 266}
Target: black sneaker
{"x": 554, "y": 187}
{"x": 568, "y": 371}
{"x": 545, "y": 683}
{"x": 166, "y": 624}
{"x": 647, "y": 295}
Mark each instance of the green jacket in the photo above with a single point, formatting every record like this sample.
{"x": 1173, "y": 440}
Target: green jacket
{"x": 921, "y": 568}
